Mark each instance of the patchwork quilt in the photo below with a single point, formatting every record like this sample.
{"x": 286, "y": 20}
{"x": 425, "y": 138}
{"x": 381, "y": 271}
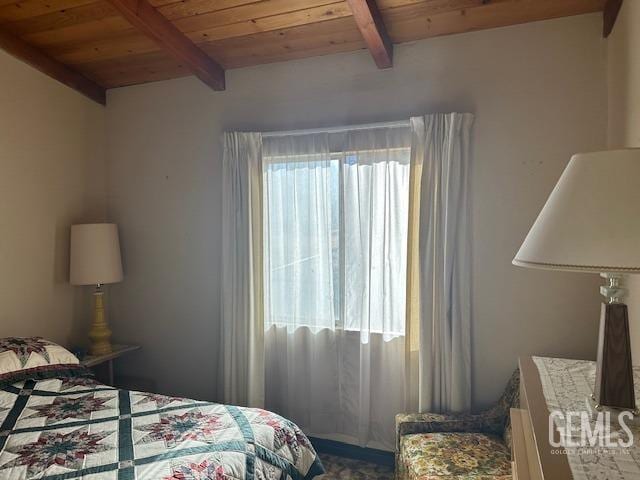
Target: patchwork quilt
{"x": 66, "y": 428}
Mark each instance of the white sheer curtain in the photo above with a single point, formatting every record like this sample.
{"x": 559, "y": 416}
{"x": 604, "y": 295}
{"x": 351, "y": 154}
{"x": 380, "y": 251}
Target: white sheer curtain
{"x": 440, "y": 152}
{"x": 346, "y": 275}
{"x": 335, "y": 230}
{"x": 242, "y": 326}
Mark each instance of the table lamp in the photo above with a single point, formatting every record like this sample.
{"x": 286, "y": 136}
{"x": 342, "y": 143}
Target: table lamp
{"x": 591, "y": 224}
{"x": 95, "y": 260}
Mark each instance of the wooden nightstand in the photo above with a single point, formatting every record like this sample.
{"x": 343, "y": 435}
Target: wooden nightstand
{"x": 91, "y": 361}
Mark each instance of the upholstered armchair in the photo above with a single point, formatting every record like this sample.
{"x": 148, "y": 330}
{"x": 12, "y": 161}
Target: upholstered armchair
{"x": 455, "y": 446}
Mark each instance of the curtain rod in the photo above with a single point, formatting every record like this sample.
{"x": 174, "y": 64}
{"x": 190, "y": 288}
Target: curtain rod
{"x": 345, "y": 128}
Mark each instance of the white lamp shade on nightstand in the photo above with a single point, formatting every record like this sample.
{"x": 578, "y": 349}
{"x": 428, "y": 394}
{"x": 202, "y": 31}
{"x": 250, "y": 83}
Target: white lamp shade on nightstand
{"x": 591, "y": 221}
{"x": 95, "y": 254}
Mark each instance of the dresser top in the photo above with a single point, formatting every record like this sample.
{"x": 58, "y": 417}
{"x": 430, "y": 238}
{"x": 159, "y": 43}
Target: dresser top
{"x": 559, "y": 391}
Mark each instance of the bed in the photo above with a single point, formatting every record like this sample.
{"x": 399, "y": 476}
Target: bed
{"x": 59, "y": 423}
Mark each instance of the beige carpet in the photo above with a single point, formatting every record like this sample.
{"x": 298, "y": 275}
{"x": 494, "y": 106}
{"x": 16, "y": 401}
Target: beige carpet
{"x": 339, "y": 468}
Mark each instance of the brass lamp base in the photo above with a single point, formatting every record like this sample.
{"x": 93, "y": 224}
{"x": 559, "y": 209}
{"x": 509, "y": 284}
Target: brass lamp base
{"x": 100, "y": 334}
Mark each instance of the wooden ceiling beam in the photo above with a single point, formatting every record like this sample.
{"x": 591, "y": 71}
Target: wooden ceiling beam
{"x": 49, "y": 66}
{"x": 369, "y": 21}
{"x": 609, "y": 16}
{"x": 142, "y": 15}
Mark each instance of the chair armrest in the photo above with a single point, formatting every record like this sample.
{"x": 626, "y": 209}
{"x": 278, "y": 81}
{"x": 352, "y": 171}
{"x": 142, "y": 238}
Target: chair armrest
{"x": 408, "y": 423}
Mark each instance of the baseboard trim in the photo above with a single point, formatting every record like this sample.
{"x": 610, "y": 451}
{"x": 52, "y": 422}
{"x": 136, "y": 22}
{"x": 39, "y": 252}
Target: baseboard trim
{"x": 340, "y": 449}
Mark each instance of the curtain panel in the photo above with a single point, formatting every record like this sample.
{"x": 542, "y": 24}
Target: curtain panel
{"x": 439, "y": 304}
{"x": 336, "y": 207}
{"x": 242, "y": 318}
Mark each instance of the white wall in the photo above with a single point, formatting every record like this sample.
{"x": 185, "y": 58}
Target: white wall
{"x": 51, "y": 175}
{"x": 624, "y": 117}
{"x": 539, "y": 95}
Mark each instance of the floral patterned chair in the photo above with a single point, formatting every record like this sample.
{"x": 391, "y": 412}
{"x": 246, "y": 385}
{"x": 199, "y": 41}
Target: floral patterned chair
{"x": 457, "y": 446}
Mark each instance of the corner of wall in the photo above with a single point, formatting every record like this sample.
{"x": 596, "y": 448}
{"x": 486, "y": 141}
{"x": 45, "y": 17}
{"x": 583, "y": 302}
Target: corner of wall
{"x": 623, "y": 84}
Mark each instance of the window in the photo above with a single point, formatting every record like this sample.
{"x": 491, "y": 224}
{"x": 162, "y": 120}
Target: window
{"x": 336, "y": 215}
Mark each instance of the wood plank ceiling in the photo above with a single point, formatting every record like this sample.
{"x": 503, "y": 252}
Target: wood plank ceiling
{"x": 95, "y": 39}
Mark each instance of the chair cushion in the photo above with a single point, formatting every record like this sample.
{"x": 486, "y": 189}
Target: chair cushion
{"x": 435, "y": 456}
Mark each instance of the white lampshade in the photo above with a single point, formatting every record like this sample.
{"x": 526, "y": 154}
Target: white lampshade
{"x": 95, "y": 254}
{"x": 591, "y": 221}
